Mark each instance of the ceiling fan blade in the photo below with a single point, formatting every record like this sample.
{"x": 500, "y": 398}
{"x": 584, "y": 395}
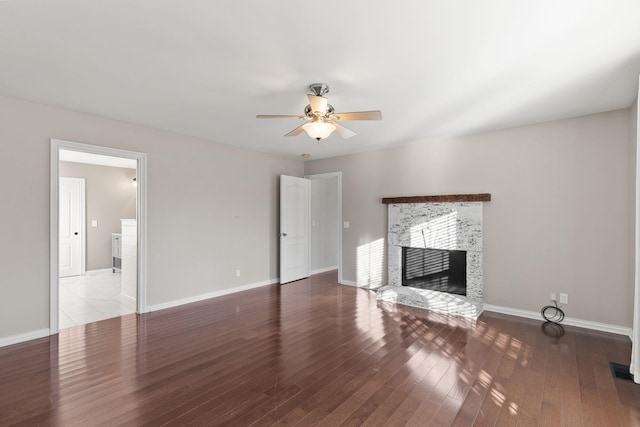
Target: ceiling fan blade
{"x": 343, "y": 131}
{"x": 318, "y": 103}
{"x": 296, "y": 131}
{"x": 278, "y": 116}
{"x": 359, "y": 115}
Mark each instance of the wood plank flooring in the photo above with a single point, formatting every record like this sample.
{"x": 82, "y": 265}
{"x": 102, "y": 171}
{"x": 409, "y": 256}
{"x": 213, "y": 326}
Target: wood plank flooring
{"x": 314, "y": 352}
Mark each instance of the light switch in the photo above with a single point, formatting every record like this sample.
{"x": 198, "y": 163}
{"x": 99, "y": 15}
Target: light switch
{"x": 94, "y": 222}
{"x": 346, "y": 224}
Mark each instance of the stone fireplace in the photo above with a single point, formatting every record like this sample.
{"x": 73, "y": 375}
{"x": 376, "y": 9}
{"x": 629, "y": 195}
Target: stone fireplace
{"x": 440, "y": 223}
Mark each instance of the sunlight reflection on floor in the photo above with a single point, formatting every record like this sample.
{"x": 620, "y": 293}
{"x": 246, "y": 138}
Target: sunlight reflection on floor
{"x": 427, "y": 326}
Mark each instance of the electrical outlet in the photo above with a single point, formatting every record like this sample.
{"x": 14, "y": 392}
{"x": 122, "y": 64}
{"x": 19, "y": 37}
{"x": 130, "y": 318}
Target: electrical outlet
{"x": 237, "y": 273}
{"x": 552, "y": 296}
{"x": 564, "y": 298}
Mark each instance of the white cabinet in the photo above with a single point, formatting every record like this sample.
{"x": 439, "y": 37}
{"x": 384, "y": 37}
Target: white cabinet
{"x": 129, "y": 244}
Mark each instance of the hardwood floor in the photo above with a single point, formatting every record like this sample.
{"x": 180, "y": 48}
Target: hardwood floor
{"x": 315, "y": 353}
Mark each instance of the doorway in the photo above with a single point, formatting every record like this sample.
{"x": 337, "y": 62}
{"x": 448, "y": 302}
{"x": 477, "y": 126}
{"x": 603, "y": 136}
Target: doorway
{"x": 326, "y": 223}
{"x": 97, "y": 292}
{"x": 101, "y": 273}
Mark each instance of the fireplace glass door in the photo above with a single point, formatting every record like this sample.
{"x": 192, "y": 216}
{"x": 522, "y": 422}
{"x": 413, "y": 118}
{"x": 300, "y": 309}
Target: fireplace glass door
{"x": 435, "y": 269}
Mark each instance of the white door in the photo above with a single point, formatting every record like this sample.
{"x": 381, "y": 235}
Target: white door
{"x": 70, "y": 229}
{"x": 294, "y": 228}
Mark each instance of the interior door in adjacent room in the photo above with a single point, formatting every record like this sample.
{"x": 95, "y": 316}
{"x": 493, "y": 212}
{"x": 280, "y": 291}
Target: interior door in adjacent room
{"x": 294, "y": 228}
{"x": 71, "y": 235}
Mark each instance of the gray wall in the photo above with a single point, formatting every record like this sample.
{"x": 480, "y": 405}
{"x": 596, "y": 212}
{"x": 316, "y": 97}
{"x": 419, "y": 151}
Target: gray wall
{"x": 212, "y": 209}
{"x": 561, "y": 218}
{"x": 325, "y": 215}
{"x": 110, "y": 196}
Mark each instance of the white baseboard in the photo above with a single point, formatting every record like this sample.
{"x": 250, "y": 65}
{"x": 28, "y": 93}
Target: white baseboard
{"x": 324, "y": 270}
{"x": 16, "y": 339}
{"x": 175, "y": 303}
{"x": 587, "y": 324}
{"x": 603, "y": 327}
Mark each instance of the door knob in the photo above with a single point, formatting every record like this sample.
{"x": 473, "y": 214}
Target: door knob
{"x": 284, "y": 234}
{"x": 76, "y": 233}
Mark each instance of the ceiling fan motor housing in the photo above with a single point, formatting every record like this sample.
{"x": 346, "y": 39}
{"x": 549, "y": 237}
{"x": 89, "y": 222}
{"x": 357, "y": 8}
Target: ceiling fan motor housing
{"x": 319, "y": 89}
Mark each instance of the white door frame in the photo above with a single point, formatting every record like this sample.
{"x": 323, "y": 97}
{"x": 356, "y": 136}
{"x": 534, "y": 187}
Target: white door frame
{"x": 83, "y": 225}
{"x": 634, "y": 365}
{"x": 141, "y": 216}
{"x": 339, "y": 207}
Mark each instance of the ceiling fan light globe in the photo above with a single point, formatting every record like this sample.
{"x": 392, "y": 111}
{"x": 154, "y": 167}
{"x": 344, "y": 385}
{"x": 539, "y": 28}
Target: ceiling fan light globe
{"x": 319, "y": 130}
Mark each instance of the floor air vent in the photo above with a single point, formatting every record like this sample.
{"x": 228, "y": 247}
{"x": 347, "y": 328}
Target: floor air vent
{"x": 620, "y": 371}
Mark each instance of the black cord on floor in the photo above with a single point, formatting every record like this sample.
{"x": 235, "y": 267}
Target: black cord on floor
{"x": 552, "y": 313}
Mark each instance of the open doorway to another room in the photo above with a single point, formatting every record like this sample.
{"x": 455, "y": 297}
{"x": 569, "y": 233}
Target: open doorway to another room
{"x": 111, "y": 233}
{"x": 91, "y": 285}
{"x": 326, "y": 223}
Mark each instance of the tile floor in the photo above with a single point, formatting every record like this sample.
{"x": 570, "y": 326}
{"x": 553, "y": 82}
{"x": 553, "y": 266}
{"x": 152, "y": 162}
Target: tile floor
{"x": 90, "y": 298}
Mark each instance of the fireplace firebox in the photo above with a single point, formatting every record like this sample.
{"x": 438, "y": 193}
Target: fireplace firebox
{"x": 435, "y": 269}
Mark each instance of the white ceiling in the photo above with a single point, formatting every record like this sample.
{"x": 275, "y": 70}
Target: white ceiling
{"x": 96, "y": 159}
{"x": 206, "y": 68}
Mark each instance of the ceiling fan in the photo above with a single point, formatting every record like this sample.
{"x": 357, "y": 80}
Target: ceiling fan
{"x": 321, "y": 118}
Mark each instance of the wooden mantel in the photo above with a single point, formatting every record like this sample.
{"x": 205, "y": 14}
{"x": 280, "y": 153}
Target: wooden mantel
{"x": 482, "y": 197}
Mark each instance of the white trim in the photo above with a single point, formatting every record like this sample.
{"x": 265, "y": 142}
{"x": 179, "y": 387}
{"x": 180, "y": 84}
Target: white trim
{"x": 54, "y": 207}
{"x": 339, "y": 207}
{"x": 83, "y": 226}
{"x": 141, "y": 178}
{"x": 28, "y": 336}
{"x": 141, "y": 217}
{"x": 634, "y": 365}
{"x": 324, "y": 270}
{"x": 587, "y": 324}
{"x": 189, "y": 300}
